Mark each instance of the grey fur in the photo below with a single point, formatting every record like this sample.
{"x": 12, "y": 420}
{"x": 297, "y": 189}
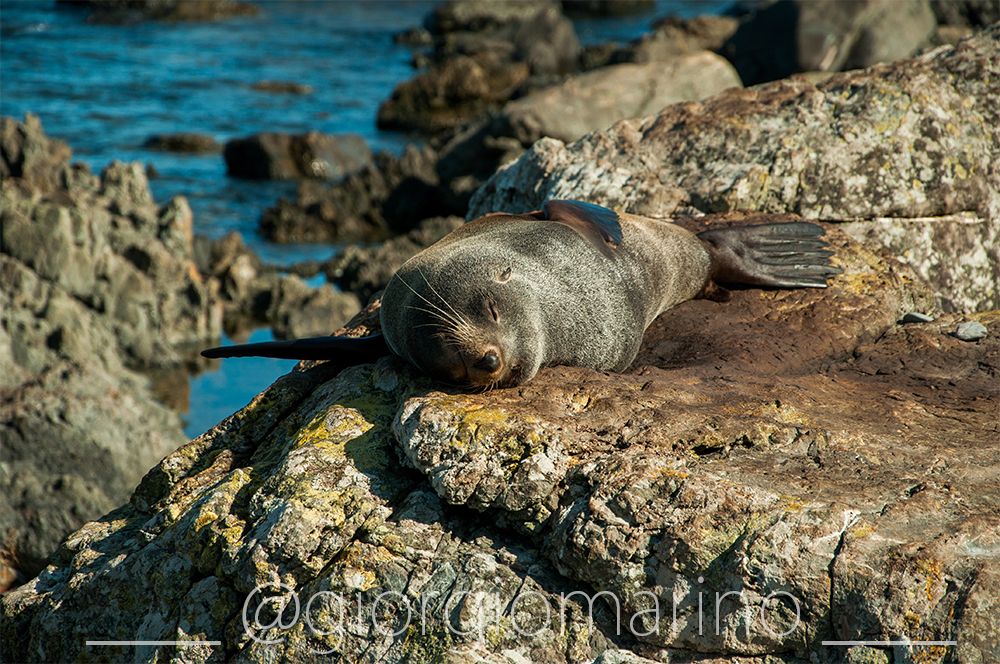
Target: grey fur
{"x": 564, "y": 302}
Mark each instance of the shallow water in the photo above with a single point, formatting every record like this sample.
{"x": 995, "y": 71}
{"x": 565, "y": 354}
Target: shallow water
{"x": 106, "y": 88}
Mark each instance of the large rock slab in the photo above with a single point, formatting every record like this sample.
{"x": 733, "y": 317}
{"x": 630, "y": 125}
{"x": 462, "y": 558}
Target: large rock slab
{"x": 797, "y": 449}
{"x": 909, "y": 150}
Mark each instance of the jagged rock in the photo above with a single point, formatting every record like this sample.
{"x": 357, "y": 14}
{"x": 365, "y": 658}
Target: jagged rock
{"x": 183, "y": 142}
{"x": 391, "y": 195}
{"x": 275, "y": 156}
{"x": 364, "y": 270}
{"x": 130, "y": 11}
{"x": 791, "y": 36}
{"x": 906, "y": 151}
{"x": 28, "y": 154}
{"x": 793, "y": 442}
{"x": 95, "y": 280}
{"x": 483, "y": 53}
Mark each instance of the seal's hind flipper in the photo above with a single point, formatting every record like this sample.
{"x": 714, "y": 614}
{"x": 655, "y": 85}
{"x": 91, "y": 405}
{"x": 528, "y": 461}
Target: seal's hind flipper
{"x": 350, "y": 350}
{"x": 782, "y": 255}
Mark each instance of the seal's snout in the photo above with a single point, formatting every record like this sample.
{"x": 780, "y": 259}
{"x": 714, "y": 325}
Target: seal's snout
{"x": 485, "y": 367}
{"x": 490, "y": 361}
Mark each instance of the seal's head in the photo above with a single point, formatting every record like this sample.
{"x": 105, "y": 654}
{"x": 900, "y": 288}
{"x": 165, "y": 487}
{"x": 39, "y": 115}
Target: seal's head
{"x": 467, "y": 319}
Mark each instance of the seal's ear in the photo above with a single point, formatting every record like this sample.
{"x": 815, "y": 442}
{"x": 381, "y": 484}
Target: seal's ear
{"x": 598, "y": 224}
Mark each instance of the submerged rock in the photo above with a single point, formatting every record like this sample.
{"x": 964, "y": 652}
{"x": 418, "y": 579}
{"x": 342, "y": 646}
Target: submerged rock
{"x": 906, "y": 152}
{"x": 183, "y": 142}
{"x": 795, "y": 448}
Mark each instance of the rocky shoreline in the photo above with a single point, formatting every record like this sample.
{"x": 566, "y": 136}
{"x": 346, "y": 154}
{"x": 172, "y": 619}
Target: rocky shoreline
{"x": 828, "y": 458}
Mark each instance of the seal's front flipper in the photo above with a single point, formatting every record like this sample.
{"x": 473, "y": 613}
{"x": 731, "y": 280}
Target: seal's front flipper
{"x": 350, "y": 350}
{"x": 783, "y": 255}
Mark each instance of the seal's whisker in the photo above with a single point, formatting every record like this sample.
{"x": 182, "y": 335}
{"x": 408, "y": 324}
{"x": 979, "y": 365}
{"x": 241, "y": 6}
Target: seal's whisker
{"x": 444, "y": 313}
{"x": 440, "y": 297}
{"x": 444, "y": 322}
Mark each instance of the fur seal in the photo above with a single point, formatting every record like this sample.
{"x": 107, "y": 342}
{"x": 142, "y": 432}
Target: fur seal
{"x": 573, "y": 283}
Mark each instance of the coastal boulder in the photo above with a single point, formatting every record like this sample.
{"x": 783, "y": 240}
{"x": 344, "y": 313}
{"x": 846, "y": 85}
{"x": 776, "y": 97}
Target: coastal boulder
{"x": 906, "y": 152}
{"x": 795, "y": 458}
{"x": 483, "y": 52}
{"x": 791, "y": 36}
{"x": 276, "y": 156}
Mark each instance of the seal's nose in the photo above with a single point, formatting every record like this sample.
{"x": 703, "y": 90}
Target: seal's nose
{"x": 489, "y": 362}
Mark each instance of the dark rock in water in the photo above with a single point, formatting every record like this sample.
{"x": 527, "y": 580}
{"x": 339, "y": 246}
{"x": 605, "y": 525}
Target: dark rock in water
{"x": 904, "y": 154}
{"x": 484, "y": 52}
{"x": 276, "y": 156}
{"x": 96, "y": 281}
{"x": 791, "y": 36}
{"x": 451, "y": 93}
{"x": 256, "y": 294}
{"x": 414, "y": 37}
{"x": 970, "y": 330}
{"x": 365, "y": 270}
{"x": 183, "y": 142}
{"x": 368, "y": 205}
{"x": 605, "y": 8}
{"x": 971, "y": 13}
{"x": 130, "y": 11}
{"x": 283, "y": 87}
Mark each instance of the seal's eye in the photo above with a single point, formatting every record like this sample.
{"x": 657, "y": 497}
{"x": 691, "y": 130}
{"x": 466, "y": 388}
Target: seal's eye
{"x": 504, "y": 276}
{"x": 493, "y": 311}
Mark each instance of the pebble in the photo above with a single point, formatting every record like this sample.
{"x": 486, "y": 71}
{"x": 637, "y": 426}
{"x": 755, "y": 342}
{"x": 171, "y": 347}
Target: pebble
{"x": 916, "y": 317}
{"x": 970, "y": 331}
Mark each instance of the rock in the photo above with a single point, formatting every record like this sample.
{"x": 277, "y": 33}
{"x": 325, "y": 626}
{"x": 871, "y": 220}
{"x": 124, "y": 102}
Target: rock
{"x": 183, "y": 142}
{"x": 256, "y": 294}
{"x": 597, "y": 99}
{"x": 790, "y": 36}
{"x": 392, "y": 195}
{"x": 583, "y": 103}
{"x": 131, "y": 11}
{"x": 905, "y": 153}
{"x": 833, "y": 462}
{"x": 971, "y": 13}
{"x": 449, "y": 94}
{"x": 274, "y": 156}
{"x": 970, "y": 331}
{"x": 282, "y": 87}
{"x": 365, "y": 270}
{"x": 483, "y": 53}
{"x": 96, "y": 281}
{"x": 915, "y": 317}
{"x": 26, "y": 153}
{"x": 674, "y": 36}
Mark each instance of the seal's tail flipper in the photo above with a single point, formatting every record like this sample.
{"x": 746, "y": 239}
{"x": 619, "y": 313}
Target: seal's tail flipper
{"x": 782, "y": 255}
{"x": 352, "y": 350}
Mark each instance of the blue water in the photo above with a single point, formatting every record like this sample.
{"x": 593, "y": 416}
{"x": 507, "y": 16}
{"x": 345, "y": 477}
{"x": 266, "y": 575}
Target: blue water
{"x": 105, "y": 89}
